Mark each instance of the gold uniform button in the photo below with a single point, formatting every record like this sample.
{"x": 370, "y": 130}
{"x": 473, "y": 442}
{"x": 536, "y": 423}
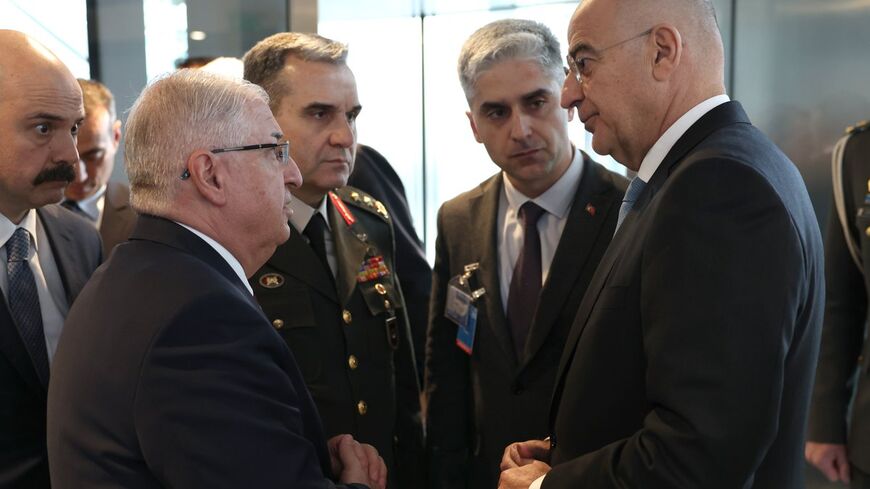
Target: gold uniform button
{"x": 278, "y": 323}
{"x": 352, "y": 362}
{"x": 387, "y": 304}
{"x": 381, "y": 289}
{"x": 362, "y": 407}
{"x": 867, "y": 231}
{"x": 346, "y": 316}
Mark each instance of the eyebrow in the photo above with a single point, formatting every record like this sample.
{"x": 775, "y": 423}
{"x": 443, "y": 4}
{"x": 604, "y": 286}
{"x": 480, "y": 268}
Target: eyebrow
{"x": 541, "y": 92}
{"x": 583, "y": 46}
{"x": 277, "y": 136}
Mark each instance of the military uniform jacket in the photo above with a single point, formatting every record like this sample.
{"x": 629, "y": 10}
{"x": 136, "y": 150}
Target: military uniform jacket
{"x": 844, "y": 349}
{"x": 350, "y": 336}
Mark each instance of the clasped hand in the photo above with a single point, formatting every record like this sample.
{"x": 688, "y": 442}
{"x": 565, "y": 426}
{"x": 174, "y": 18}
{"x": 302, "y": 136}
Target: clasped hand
{"x": 523, "y": 463}
{"x": 356, "y": 463}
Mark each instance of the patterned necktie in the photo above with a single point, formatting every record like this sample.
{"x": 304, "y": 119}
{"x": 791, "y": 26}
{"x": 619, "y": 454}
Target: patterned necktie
{"x": 525, "y": 285}
{"x": 315, "y": 231}
{"x": 631, "y": 194}
{"x": 24, "y": 301}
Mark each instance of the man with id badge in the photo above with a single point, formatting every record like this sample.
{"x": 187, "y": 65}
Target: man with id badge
{"x": 513, "y": 257}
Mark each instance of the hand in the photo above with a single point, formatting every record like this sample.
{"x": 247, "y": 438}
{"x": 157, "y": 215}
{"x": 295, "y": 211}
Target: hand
{"x": 522, "y": 477}
{"x": 524, "y": 453}
{"x": 356, "y": 462}
{"x": 830, "y": 458}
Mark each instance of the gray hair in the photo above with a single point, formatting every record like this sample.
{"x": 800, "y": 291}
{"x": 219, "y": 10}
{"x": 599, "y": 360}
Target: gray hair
{"x": 508, "y": 39}
{"x": 264, "y": 61}
{"x": 174, "y": 116}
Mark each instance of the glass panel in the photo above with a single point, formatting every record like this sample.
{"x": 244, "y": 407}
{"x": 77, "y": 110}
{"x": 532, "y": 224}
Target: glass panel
{"x": 165, "y": 35}
{"x": 61, "y": 26}
{"x": 390, "y": 90}
{"x": 801, "y": 72}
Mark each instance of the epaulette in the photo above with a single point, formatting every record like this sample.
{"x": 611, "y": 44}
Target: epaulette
{"x": 362, "y": 200}
{"x": 859, "y": 127}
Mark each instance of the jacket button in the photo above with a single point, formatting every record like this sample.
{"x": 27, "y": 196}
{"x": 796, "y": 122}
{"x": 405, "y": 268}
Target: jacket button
{"x": 867, "y": 231}
{"x": 352, "y": 362}
{"x": 346, "y": 316}
{"x": 381, "y": 289}
{"x": 362, "y": 407}
{"x": 387, "y": 304}
{"x": 278, "y": 323}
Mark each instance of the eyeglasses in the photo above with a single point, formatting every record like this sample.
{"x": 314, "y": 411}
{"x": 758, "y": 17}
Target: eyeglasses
{"x": 579, "y": 65}
{"x": 282, "y": 153}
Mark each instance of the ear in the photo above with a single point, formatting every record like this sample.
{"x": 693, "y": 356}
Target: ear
{"x": 208, "y": 176}
{"x": 473, "y": 127}
{"x": 116, "y": 133}
{"x": 668, "y": 51}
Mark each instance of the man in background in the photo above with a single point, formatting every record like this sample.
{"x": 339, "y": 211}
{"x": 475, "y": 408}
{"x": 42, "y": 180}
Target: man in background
{"x": 46, "y": 253}
{"x": 92, "y": 195}
{"x": 332, "y": 291}
{"x": 169, "y": 374}
{"x": 529, "y": 238}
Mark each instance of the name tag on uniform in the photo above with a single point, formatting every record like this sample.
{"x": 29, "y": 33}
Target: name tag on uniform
{"x": 459, "y": 308}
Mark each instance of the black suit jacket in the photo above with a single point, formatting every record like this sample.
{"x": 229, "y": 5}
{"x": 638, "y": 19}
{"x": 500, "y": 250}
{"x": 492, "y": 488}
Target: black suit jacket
{"x": 340, "y": 332}
{"x": 169, "y": 375}
{"x": 480, "y": 404}
{"x": 691, "y": 359}
{"x": 844, "y": 362}
{"x": 373, "y": 174}
{"x": 23, "y": 460}
{"x": 119, "y": 218}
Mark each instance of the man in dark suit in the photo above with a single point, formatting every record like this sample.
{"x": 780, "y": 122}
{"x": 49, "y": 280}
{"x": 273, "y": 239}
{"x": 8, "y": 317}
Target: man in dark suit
{"x": 47, "y": 253}
{"x": 175, "y": 378}
{"x": 373, "y": 174}
{"x": 92, "y": 195}
{"x": 486, "y": 392}
{"x": 332, "y": 291}
{"x": 691, "y": 359}
{"x": 838, "y": 441}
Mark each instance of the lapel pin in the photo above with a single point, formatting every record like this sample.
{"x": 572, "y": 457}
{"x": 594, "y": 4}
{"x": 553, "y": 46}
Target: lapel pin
{"x": 590, "y": 209}
{"x": 271, "y": 280}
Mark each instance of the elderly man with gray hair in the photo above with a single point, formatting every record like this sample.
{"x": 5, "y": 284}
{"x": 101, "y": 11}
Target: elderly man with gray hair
{"x": 168, "y": 373}
{"x": 332, "y": 290}
{"x": 528, "y": 239}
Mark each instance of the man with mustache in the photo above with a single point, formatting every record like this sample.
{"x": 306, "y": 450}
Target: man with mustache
{"x": 331, "y": 290}
{"x": 47, "y": 253}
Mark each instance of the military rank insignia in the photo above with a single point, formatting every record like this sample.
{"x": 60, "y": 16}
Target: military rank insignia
{"x": 271, "y": 280}
{"x": 371, "y": 269}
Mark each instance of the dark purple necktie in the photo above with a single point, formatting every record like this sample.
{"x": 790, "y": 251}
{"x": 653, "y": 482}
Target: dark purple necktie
{"x": 526, "y": 282}
{"x": 24, "y": 301}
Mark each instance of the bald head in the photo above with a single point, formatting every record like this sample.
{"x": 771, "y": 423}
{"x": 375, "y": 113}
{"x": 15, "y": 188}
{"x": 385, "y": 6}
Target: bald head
{"x": 40, "y": 112}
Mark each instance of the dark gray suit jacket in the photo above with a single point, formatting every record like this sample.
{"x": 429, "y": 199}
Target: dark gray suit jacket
{"x": 692, "y": 355}
{"x": 480, "y": 404}
{"x": 75, "y": 245}
{"x": 169, "y": 375}
{"x": 119, "y": 218}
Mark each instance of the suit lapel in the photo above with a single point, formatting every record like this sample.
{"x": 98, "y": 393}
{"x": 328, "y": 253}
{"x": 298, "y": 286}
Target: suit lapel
{"x": 351, "y": 247}
{"x": 298, "y": 260}
{"x": 60, "y": 239}
{"x": 572, "y": 253}
{"x": 484, "y": 212}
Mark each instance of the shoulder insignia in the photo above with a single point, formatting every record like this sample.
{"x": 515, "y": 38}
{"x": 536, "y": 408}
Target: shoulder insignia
{"x": 859, "y": 127}
{"x": 358, "y": 198}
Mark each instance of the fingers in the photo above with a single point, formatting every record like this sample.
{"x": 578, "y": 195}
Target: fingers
{"x": 524, "y": 453}
{"x": 831, "y": 459}
{"x": 377, "y": 469}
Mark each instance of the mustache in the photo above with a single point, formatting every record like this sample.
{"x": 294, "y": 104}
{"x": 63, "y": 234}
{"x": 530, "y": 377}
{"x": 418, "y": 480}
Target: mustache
{"x": 61, "y": 173}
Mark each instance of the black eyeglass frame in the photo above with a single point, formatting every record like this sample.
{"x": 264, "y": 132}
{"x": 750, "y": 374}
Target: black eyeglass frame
{"x": 285, "y": 160}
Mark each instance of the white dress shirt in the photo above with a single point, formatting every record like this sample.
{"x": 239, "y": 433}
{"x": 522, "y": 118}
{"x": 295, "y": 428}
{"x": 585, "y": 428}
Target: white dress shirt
{"x": 302, "y": 213}
{"x": 656, "y": 155}
{"x": 224, "y": 253}
{"x": 53, "y": 305}
{"x": 93, "y": 206}
{"x": 556, "y": 201}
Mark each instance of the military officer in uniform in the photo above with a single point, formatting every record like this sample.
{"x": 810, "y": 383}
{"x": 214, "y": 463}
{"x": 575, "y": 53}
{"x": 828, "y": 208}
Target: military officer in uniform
{"x": 331, "y": 290}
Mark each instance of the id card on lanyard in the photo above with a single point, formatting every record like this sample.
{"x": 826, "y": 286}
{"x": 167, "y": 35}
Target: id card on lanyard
{"x": 460, "y": 307}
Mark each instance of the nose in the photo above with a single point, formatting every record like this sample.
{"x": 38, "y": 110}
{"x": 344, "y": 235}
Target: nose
{"x": 292, "y": 176}
{"x": 64, "y": 149}
{"x": 81, "y": 171}
{"x": 344, "y": 134}
{"x": 520, "y": 127}
{"x": 572, "y": 93}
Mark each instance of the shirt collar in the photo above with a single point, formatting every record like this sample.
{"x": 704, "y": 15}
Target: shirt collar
{"x": 90, "y": 204}
{"x": 7, "y": 228}
{"x": 303, "y": 212}
{"x": 226, "y": 255}
{"x": 662, "y": 147}
{"x": 558, "y": 198}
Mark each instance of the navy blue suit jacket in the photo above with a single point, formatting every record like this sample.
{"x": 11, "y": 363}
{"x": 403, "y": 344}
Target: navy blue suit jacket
{"x": 169, "y": 375}
{"x": 691, "y": 359}
{"x": 75, "y": 245}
